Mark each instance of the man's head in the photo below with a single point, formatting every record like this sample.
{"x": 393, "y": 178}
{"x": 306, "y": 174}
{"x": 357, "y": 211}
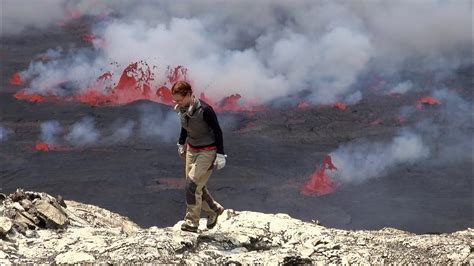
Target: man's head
{"x": 182, "y": 93}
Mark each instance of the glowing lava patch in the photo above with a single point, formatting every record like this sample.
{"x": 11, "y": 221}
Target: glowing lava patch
{"x": 135, "y": 83}
{"x": 15, "y": 79}
{"x": 427, "y": 100}
{"x": 46, "y": 147}
{"x": 319, "y": 183}
{"x": 340, "y": 106}
{"x": 302, "y": 105}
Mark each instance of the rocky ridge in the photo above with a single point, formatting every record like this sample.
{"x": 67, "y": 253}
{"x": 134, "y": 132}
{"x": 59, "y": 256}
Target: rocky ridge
{"x": 39, "y": 228}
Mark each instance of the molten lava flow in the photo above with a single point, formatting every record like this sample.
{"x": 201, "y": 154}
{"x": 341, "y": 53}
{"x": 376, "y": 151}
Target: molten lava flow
{"x": 203, "y": 97}
{"x": 93, "y": 97}
{"x": 15, "y": 79}
{"x": 319, "y": 183}
{"x": 42, "y": 146}
{"x": 33, "y": 98}
{"x": 135, "y": 84}
{"x": 427, "y": 100}
{"x": 107, "y": 75}
{"x": 341, "y": 106}
{"x": 231, "y": 102}
{"x": 164, "y": 94}
{"x": 302, "y": 105}
{"x": 89, "y": 38}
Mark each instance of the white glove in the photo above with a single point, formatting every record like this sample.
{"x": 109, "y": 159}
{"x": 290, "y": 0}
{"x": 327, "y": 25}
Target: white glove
{"x": 181, "y": 150}
{"x": 219, "y": 163}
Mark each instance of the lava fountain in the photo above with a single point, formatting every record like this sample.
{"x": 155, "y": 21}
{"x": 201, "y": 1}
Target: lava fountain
{"x": 320, "y": 183}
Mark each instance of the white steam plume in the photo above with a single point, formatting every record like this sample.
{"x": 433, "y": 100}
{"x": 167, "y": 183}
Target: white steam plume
{"x": 122, "y": 130}
{"x": 158, "y": 124}
{"x": 4, "y": 133}
{"x": 83, "y": 133}
{"x": 50, "y": 131}
{"x": 275, "y": 48}
{"x": 357, "y": 162}
{"x": 452, "y": 132}
{"x": 402, "y": 87}
{"x": 18, "y": 15}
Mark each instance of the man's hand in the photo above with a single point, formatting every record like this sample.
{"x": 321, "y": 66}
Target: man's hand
{"x": 219, "y": 163}
{"x": 181, "y": 150}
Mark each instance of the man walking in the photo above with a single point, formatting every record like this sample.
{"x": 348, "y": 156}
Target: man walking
{"x": 201, "y": 145}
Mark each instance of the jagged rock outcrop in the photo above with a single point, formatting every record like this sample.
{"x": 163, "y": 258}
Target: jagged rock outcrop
{"x": 92, "y": 234}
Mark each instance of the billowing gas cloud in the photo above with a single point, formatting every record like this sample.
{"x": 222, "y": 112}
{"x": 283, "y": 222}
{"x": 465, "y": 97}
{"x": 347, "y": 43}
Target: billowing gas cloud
{"x": 19, "y": 15}
{"x": 452, "y": 130}
{"x": 83, "y": 133}
{"x": 269, "y": 49}
{"x": 121, "y": 130}
{"x": 444, "y": 139}
{"x": 51, "y": 131}
{"x": 154, "y": 123}
{"x": 4, "y": 132}
{"x": 357, "y": 162}
{"x": 158, "y": 124}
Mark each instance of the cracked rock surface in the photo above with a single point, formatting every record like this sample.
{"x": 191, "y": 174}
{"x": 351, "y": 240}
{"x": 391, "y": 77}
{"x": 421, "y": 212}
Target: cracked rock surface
{"x": 81, "y": 233}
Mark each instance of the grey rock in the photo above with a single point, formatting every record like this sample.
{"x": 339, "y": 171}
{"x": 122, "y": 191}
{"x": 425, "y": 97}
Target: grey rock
{"x": 95, "y": 235}
{"x": 72, "y": 257}
{"x": 5, "y": 225}
{"x": 52, "y": 215}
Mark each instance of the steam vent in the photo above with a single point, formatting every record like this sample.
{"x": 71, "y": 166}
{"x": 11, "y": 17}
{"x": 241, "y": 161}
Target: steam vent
{"x": 236, "y": 132}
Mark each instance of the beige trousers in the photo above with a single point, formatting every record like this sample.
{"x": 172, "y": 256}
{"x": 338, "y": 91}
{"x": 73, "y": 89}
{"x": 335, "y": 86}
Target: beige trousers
{"x": 199, "y": 165}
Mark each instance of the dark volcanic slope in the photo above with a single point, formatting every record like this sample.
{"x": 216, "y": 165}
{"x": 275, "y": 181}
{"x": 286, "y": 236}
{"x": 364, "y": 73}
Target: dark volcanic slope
{"x": 268, "y": 159}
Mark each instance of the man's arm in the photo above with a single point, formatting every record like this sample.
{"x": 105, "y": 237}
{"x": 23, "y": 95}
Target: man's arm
{"x": 182, "y": 136}
{"x": 211, "y": 119}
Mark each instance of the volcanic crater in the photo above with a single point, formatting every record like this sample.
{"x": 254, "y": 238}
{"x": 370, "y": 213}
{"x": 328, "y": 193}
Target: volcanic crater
{"x": 272, "y": 151}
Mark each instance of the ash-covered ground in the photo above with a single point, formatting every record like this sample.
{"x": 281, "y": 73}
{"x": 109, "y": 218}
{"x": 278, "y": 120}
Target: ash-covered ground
{"x": 270, "y": 155}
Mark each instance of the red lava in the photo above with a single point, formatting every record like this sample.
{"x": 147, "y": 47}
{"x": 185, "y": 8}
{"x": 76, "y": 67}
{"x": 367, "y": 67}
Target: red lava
{"x": 302, "y": 105}
{"x": 135, "y": 84}
{"x": 341, "y": 106}
{"x": 15, "y": 79}
{"x": 89, "y": 38}
{"x": 42, "y": 146}
{"x": 319, "y": 183}
{"x": 427, "y": 100}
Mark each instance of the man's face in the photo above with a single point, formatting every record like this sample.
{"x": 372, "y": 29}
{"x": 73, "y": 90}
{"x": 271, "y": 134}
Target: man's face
{"x": 182, "y": 101}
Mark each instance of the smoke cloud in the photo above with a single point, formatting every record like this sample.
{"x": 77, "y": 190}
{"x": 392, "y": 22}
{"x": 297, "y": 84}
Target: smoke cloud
{"x": 443, "y": 139}
{"x": 272, "y": 50}
{"x": 4, "y": 132}
{"x": 121, "y": 130}
{"x": 357, "y": 162}
{"x": 83, "y": 133}
{"x": 50, "y": 131}
{"x": 19, "y": 15}
{"x": 402, "y": 87}
{"x": 158, "y": 124}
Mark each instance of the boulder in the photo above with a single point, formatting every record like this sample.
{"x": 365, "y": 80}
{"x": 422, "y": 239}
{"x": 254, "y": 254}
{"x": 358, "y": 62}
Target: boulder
{"x": 5, "y": 225}
{"x": 53, "y": 216}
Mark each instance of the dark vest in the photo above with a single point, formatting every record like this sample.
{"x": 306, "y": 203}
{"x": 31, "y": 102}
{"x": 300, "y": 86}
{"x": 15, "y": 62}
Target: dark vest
{"x": 199, "y": 132}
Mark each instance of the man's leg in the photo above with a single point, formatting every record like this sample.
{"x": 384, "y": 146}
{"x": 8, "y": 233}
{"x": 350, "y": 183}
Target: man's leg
{"x": 199, "y": 172}
{"x": 209, "y": 205}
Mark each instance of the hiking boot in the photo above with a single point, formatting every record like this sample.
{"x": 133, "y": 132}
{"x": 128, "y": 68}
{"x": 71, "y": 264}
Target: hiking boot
{"x": 189, "y": 228}
{"x": 212, "y": 219}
